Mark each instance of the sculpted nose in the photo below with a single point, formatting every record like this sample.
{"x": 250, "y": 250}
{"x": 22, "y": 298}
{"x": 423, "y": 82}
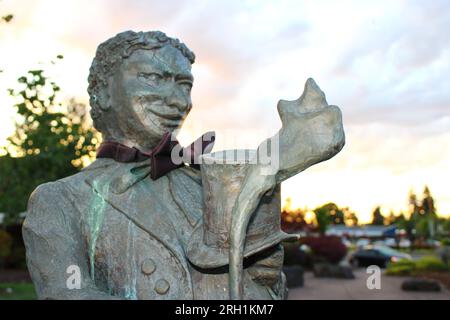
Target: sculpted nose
{"x": 177, "y": 100}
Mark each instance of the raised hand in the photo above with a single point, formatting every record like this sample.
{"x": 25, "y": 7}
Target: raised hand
{"x": 312, "y": 132}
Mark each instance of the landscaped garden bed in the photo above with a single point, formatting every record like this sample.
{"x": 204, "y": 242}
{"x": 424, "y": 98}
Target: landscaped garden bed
{"x": 428, "y": 267}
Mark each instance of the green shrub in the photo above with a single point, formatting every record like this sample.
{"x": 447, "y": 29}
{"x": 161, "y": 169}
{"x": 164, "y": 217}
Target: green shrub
{"x": 430, "y": 264}
{"x": 403, "y": 262}
{"x": 408, "y": 267}
{"x": 400, "y": 270}
{"x": 5, "y": 244}
{"x": 402, "y": 267}
{"x": 445, "y": 242}
{"x": 17, "y": 291}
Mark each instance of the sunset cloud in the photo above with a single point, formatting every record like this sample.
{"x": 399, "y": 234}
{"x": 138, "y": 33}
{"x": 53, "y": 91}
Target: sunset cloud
{"x": 385, "y": 63}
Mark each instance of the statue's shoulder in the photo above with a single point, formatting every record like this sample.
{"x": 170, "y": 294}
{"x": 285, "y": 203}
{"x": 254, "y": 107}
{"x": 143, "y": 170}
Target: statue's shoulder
{"x": 46, "y": 208}
{"x": 56, "y": 194}
{"x": 45, "y": 193}
{"x": 77, "y": 182}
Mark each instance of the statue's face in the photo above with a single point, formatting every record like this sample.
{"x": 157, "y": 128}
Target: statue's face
{"x": 151, "y": 94}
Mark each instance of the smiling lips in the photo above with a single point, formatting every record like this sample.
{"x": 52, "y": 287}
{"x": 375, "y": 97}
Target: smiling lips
{"x": 171, "y": 119}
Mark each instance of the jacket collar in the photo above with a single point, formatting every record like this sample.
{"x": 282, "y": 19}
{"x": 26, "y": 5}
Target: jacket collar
{"x": 121, "y": 185}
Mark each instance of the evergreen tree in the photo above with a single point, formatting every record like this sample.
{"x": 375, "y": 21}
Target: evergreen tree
{"x": 391, "y": 218}
{"x": 414, "y": 208}
{"x": 377, "y": 217}
{"x": 428, "y": 208}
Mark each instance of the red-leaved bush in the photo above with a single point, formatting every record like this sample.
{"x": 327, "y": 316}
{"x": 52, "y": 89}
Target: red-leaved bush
{"x": 329, "y": 248}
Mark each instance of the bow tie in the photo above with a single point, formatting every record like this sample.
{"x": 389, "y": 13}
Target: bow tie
{"x": 162, "y": 159}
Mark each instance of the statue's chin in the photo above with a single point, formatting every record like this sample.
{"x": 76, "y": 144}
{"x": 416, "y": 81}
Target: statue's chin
{"x": 150, "y": 135}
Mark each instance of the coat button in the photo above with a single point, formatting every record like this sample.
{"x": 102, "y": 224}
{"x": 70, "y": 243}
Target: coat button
{"x": 148, "y": 266}
{"x": 162, "y": 286}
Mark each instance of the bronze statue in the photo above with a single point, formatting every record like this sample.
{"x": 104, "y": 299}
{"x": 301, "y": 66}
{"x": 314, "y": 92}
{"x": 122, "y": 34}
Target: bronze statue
{"x": 138, "y": 223}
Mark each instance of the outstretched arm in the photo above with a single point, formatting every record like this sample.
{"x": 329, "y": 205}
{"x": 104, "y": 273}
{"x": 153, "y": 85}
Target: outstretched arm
{"x": 311, "y": 132}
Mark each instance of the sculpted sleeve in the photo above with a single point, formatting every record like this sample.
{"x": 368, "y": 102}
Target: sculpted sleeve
{"x": 55, "y": 251}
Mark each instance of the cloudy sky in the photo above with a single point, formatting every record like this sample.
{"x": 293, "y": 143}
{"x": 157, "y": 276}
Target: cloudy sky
{"x": 385, "y": 63}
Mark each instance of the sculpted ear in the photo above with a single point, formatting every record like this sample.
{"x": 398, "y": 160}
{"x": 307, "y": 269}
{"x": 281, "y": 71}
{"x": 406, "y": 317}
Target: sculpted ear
{"x": 104, "y": 95}
{"x": 100, "y": 101}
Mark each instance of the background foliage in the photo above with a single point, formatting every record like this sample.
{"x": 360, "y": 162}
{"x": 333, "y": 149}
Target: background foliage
{"x": 52, "y": 140}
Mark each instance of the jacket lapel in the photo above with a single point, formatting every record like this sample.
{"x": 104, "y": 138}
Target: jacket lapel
{"x": 186, "y": 189}
{"x": 143, "y": 201}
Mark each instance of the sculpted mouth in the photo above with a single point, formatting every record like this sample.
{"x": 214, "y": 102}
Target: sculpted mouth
{"x": 168, "y": 116}
{"x": 163, "y": 119}
{"x": 168, "y": 120}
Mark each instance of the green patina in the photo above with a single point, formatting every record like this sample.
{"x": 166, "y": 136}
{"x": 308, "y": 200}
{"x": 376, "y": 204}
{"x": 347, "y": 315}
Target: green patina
{"x": 130, "y": 289}
{"x": 95, "y": 220}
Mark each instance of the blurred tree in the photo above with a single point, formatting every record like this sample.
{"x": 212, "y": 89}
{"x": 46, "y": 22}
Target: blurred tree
{"x": 323, "y": 219}
{"x": 51, "y": 141}
{"x": 292, "y": 219}
{"x": 423, "y": 227}
{"x": 390, "y": 219}
{"x": 7, "y": 18}
{"x": 414, "y": 208}
{"x": 399, "y": 220}
{"x": 427, "y": 222}
{"x": 407, "y": 224}
{"x": 334, "y": 212}
{"x": 5, "y": 246}
{"x": 377, "y": 217}
{"x": 351, "y": 219}
{"x": 428, "y": 208}
{"x": 445, "y": 225}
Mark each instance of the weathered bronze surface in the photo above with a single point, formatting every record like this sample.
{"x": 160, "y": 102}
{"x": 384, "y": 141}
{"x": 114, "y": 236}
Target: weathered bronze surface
{"x": 130, "y": 237}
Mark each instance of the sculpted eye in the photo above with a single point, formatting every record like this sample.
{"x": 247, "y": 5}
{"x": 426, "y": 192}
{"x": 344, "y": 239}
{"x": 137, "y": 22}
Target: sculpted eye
{"x": 186, "y": 85}
{"x": 152, "y": 78}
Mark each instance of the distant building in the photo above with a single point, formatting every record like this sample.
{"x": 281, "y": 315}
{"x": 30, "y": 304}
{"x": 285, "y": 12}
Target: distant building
{"x": 367, "y": 231}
